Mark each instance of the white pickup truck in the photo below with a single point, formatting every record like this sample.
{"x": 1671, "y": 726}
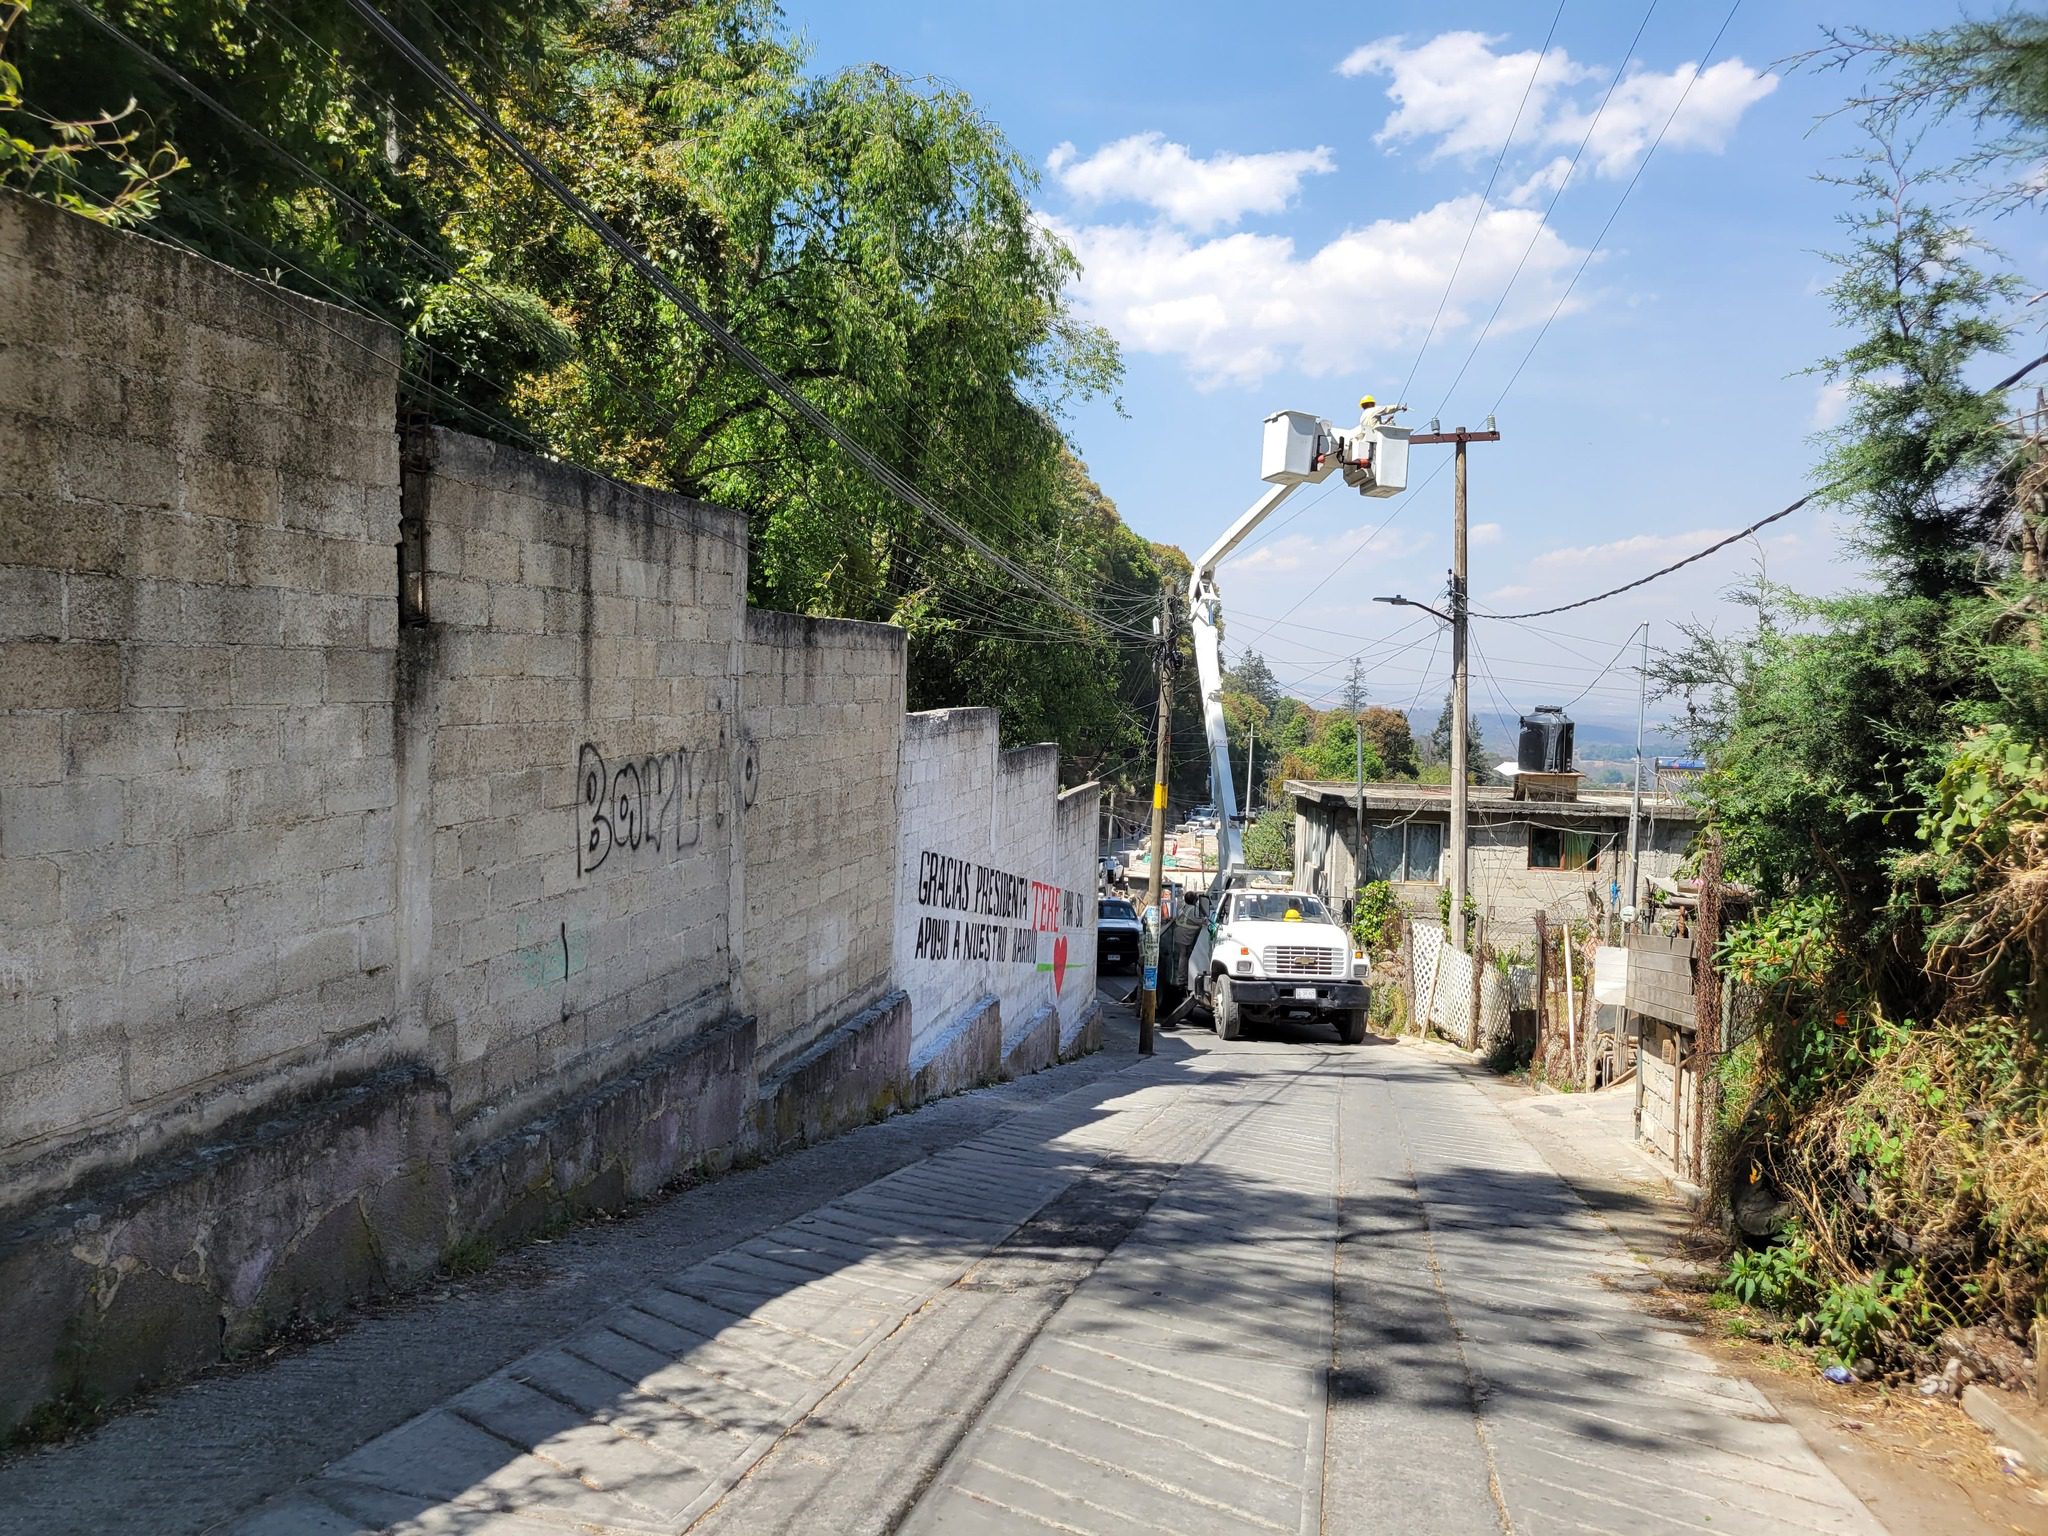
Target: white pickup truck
{"x": 1278, "y": 955}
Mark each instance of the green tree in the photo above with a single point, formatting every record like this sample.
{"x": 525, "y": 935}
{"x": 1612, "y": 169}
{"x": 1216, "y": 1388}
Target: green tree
{"x": 1269, "y": 840}
{"x": 1251, "y": 675}
{"x": 870, "y": 236}
{"x": 1876, "y": 760}
{"x": 1387, "y": 732}
{"x": 1438, "y": 752}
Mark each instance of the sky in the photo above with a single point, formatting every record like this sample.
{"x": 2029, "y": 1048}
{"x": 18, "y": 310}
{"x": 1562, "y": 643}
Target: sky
{"x": 1269, "y": 205}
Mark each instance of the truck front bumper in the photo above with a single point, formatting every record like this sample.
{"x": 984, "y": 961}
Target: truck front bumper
{"x": 1324, "y": 996}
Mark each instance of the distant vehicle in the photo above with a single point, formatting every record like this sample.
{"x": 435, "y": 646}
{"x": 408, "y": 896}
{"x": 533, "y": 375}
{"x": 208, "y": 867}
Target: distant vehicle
{"x": 1278, "y": 955}
{"x": 1117, "y": 931}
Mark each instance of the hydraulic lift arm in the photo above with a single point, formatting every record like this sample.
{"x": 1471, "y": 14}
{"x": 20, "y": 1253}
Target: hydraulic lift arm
{"x": 1299, "y": 450}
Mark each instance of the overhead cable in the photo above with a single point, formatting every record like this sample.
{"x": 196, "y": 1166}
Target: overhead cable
{"x": 1641, "y": 166}
{"x": 1479, "y": 212}
{"x": 1676, "y": 565}
{"x": 880, "y": 473}
{"x": 1549, "y": 208}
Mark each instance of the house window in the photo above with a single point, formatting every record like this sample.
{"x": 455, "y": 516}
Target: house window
{"x": 1554, "y": 848}
{"x": 1410, "y": 850}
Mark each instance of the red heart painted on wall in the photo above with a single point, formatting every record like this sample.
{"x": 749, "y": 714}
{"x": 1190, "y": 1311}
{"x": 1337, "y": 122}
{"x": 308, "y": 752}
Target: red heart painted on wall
{"x": 1059, "y": 963}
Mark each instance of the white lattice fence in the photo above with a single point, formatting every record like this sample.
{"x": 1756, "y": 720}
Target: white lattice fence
{"x": 1425, "y": 944}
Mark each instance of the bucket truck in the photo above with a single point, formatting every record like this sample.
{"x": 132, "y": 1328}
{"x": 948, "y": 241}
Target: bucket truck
{"x": 1249, "y": 955}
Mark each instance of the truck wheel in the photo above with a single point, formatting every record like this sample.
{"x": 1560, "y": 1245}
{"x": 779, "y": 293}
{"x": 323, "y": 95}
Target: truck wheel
{"x": 1229, "y": 1023}
{"x": 1351, "y": 1028}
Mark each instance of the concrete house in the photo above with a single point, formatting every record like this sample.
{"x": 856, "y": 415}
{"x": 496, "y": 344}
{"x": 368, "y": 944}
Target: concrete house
{"x": 1539, "y": 844}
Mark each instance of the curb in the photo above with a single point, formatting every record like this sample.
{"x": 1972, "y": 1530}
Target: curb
{"x": 2017, "y": 1429}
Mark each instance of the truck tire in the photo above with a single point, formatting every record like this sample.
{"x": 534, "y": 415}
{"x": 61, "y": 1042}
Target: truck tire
{"x": 1351, "y": 1026}
{"x": 1223, "y": 1011}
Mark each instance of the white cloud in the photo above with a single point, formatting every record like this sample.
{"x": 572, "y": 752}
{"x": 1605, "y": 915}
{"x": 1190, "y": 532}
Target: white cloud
{"x": 1547, "y": 178}
{"x": 1641, "y": 548}
{"x": 1456, "y": 89}
{"x": 1484, "y": 533}
{"x": 1198, "y": 194}
{"x": 1456, "y": 93}
{"x": 1719, "y": 97}
{"x": 1830, "y": 405}
{"x": 1240, "y": 306}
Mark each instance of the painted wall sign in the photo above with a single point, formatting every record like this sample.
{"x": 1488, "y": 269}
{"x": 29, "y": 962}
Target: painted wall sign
{"x": 981, "y": 915}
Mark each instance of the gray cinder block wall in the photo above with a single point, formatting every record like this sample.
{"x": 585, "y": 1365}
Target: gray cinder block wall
{"x": 197, "y": 673}
{"x": 331, "y": 935}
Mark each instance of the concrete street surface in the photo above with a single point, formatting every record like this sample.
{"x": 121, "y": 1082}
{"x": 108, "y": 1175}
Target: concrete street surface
{"x": 1271, "y": 1285}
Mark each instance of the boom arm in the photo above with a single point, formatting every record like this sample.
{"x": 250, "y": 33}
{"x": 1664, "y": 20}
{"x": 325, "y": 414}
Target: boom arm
{"x": 1299, "y": 450}
{"x": 1205, "y": 609}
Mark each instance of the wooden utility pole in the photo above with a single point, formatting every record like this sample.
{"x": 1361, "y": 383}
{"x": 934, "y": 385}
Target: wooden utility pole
{"x": 1148, "y": 997}
{"x": 1460, "y": 681}
{"x": 1631, "y": 902}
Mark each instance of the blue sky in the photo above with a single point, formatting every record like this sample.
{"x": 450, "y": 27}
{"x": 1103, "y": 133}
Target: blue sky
{"x": 1268, "y": 203}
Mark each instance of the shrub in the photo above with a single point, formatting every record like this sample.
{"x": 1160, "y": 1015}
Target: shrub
{"x": 1376, "y": 918}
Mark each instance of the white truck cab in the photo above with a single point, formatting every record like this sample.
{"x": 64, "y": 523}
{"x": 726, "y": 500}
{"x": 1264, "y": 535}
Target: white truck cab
{"x": 1271, "y": 954}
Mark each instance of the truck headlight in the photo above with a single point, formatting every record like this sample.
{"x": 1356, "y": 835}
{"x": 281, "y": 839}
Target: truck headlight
{"x": 1244, "y": 967}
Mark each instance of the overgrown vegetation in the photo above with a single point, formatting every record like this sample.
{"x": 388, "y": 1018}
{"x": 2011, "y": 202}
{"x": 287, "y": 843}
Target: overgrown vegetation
{"x": 1878, "y": 775}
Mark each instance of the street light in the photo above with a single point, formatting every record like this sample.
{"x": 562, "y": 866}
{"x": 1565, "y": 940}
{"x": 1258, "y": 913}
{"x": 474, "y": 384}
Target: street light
{"x": 1397, "y": 601}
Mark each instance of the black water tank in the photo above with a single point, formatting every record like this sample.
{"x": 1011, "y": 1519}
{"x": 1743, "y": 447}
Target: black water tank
{"x": 1546, "y": 742}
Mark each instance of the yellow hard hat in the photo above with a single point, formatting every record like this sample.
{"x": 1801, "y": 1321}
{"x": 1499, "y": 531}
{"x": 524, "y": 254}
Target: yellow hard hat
{"x": 1366, "y": 402}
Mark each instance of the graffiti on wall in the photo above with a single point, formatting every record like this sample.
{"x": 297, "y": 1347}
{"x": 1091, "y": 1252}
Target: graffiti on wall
{"x": 979, "y": 914}
{"x": 652, "y": 802}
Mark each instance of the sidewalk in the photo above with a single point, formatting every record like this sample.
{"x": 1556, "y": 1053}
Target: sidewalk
{"x": 197, "y": 1457}
{"x": 1921, "y": 1463}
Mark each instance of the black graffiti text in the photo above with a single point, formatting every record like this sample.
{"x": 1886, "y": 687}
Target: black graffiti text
{"x": 649, "y": 802}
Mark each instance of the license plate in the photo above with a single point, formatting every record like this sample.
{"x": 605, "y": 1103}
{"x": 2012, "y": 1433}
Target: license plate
{"x": 1307, "y": 992}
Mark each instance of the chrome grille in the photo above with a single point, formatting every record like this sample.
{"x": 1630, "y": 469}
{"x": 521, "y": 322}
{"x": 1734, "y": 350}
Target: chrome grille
{"x": 1302, "y": 960}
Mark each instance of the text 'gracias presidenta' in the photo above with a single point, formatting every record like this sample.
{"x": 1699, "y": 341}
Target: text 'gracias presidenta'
{"x": 961, "y": 885}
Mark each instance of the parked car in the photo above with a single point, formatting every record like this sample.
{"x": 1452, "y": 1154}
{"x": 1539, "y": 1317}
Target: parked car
{"x": 1117, "y": 931}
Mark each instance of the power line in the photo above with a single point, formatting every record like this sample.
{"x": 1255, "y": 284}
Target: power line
{"x": 1676, "y": 565}
{"x": 1550, "y": 207}
{"x": 1400, "y": 505}
{"x": 1480, "y": 212}
{"x": 1619, "y": 652}
{"x": 1641, "y": 166}
{"x": 887, "y": 478}
{"x": 1734, "y": 538}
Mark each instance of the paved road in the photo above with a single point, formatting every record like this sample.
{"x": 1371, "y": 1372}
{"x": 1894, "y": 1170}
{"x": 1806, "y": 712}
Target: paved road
{"x": 1272, "y": 1285}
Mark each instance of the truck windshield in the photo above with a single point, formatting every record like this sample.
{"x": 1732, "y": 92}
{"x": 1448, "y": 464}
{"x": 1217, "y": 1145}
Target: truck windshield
{"x": 1121, "y": 909}
{"x": 1262, "y": 908}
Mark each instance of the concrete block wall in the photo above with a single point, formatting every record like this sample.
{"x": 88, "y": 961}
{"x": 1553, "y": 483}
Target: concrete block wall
{"x": 198, "y": 508}
{"x": 573, "y": 730}
{"x": 995, "y": 889}
{"x": 328, "y": 939}
{"x": 1508, "y": 891}
{"x": 824, "y": 728}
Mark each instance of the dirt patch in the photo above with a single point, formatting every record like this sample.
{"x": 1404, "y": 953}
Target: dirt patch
{"x": 1920, "y": 1464}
